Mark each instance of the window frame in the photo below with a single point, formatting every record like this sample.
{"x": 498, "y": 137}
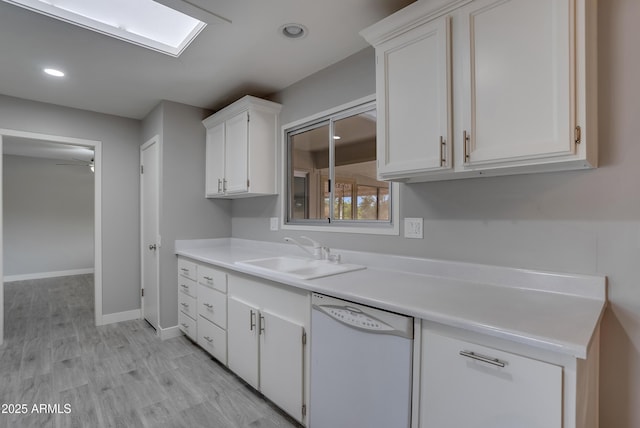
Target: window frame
{"x": 377, "y": 227}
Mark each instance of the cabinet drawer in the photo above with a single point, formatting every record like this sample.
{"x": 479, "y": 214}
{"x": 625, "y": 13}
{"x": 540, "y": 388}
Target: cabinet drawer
{"x": 188, "y": 305}
{"x": 213, "y": 339}
{"x": 468, "y": 385}
{"x": 212, "y": 278}
{"x": 187, "y": 269}
{"x": 188, "y": 286}
{"x": 212, "y": 305}
{"x": 187, "y": 325}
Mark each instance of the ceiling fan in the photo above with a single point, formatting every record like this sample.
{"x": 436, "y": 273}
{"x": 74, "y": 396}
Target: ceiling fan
{"x": 81, "y": 162}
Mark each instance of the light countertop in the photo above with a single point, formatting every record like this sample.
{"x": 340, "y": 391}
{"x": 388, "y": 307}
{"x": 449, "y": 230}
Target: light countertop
{"x": 553, "y": 311}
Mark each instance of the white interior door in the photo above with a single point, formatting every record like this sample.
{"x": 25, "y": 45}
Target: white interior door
{"x": 149, "y": 221}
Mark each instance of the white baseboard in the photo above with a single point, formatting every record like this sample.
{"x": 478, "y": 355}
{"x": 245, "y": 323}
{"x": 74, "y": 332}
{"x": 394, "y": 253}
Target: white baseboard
{"x": 121, "y": 316}
{"x": 169, "y": 333}
{"x": 42, "y": 275}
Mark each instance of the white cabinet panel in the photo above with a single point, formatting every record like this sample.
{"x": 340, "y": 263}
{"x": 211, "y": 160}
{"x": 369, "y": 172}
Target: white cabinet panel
{"x": 215, "y": 153}
{"x": 187, "y": 304}
{"x": 212, "y": 278}
{"x": 242, "y": 340}
{"x": 187, "y": 286}
{"x": 516, "y": 92}
{"x": 187, "y": 269}
{"x": 281, "y": 361}
{"x": 462, "y": 391}
{"x": 212, "y": 305}
{"x": 236, "y": 155}
{"x": 213, "y": 339}
{"x": 413, "y": 96}
{"x": 187, "y": 325}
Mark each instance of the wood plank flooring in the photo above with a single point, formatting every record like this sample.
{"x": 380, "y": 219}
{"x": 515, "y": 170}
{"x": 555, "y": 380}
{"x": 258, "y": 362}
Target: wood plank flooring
{"x": 118, "y": 375}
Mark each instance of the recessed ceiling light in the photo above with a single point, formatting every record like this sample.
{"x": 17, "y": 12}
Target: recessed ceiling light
{"x": 54, "y": 72}
{"x": 146, "y": 23}
{"x": 293, "y": 31}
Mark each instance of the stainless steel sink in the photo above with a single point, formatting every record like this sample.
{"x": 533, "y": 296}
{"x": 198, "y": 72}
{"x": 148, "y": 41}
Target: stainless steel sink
{"x": 299, "y": 267}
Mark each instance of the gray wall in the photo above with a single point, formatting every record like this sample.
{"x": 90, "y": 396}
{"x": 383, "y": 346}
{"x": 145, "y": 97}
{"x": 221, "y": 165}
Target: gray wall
{"x": 120, "y": 206}
{"x": 185, "y": 213}
{"x": 583, "y": 221}
{"x": 48, "y": 216}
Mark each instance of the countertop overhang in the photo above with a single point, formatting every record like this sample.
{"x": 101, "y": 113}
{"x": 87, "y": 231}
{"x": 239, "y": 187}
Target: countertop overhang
{"x": 554, "y": 311}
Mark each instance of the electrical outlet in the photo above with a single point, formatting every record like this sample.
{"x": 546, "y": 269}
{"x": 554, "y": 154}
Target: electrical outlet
{"x": 273, "y": 223}
{"x": 413, "y": 228}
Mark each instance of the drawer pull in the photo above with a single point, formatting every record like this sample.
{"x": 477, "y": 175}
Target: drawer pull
{"x": 185, "y": 326}
{"x": 208, "y": 305}
{"x": 184, "y": 286}
{"x": 483, "y": 358}
{"x": 208, "y": 339}
{"x": 208, "y": 278}
{"x": 184, "y": 270}
{"x": 185, "y": 305}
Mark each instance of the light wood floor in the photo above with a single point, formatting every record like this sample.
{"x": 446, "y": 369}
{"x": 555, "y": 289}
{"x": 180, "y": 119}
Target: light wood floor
{"x": 119, "y": 375}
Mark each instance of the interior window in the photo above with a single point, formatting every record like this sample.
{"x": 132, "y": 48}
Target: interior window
{"x": 332, "y": 171}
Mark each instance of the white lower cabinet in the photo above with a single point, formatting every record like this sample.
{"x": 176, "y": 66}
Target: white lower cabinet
{"x": 212, "y": 339}
{"x": 472, "y": 386}
{"x": 266, "y": 327}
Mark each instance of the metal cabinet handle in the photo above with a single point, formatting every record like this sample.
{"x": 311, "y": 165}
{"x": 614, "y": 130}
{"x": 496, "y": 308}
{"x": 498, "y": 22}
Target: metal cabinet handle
{"x": 208, "y": 305}
{"x": 185, "y": 305}
{"x": 208, "y": 278}
{"x": 219, "y": 185}
{"x": 208, "y": 339}
{"x": 262, "y": 323}
{"x": 184, "y": 269}
{"x": 186, "y": 287}
{"x": 443, "y": 151}
{"x": 224, "y": 184}
{"x": 483, "y": 358}
{"x": 153, "y": 247}
{"x": 184, "y": 325}
{"x": 252, "y": 320}
{"x": 466, "y": 138}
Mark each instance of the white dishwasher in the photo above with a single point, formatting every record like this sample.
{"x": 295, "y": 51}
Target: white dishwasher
{"x": 361, "y": 365}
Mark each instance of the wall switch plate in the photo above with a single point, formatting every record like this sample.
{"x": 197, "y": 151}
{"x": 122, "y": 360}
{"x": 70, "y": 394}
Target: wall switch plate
{"x": 413, "y": 228}
{"x": 273, "y": 223}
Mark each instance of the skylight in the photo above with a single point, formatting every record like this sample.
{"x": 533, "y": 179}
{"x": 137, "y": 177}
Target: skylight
{"x": 142, "y": 22}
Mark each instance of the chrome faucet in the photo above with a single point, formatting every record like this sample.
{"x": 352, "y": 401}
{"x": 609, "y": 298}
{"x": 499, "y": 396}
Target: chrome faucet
{"x": 318, "y": 250}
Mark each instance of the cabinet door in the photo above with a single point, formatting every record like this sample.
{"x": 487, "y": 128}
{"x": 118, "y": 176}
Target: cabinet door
{"x": 514, "y": 81}
{"x": 236, "y": 156}
{"x": 281, "y": 362}
{"x": 460, "y": 391}
{"x": 413, "y": 101}
{"x": 242, "y": 340}
{"x": 213, "y": 339}
{"x": 214, "y": 171}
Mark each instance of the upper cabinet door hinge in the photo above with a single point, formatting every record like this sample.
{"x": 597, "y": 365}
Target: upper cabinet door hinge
{"x": 248, "y": 117}
{"x": 304, "y": 337}
{"x": 141, "y": 169}
{"x": 304, "y": 410}
{"x": 248, "y": 184}
{"x": 142, "y": 292}
{"x": 578, "y": 135}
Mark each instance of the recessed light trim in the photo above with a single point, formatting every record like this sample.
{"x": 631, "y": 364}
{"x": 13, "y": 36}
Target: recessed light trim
{"x": 54, "y": 72}
{"x": 293, "y": 31}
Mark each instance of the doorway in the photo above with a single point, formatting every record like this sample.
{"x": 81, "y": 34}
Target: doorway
{"x": 95, "y": 146}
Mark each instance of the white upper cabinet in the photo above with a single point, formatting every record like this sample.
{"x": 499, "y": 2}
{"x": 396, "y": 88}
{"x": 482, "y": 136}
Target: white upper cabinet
{"x": 514, "y": 79}
{"x": 413, "y": 73}
{"x": 241, "y": 149}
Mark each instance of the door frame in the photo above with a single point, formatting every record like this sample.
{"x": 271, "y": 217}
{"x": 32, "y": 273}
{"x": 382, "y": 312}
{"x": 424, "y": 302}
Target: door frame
{"x": 154, "y": 140}
{"x": 96, "y": 146}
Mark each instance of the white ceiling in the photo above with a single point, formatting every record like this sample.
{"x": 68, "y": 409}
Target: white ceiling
{"x": 226, "y": 61}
